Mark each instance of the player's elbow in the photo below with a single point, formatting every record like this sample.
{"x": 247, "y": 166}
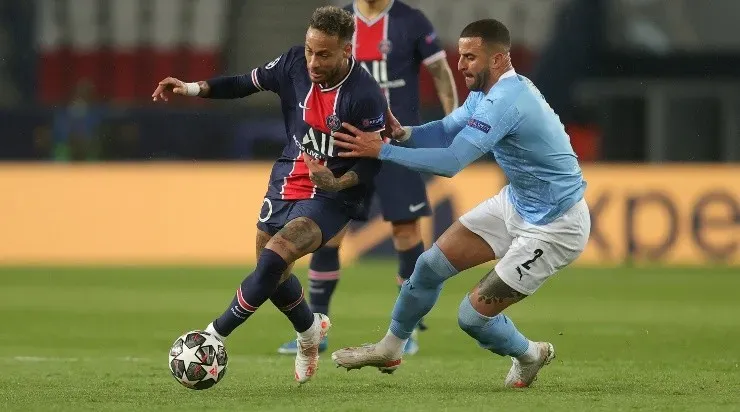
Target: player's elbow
{"x": 451, "y": 169}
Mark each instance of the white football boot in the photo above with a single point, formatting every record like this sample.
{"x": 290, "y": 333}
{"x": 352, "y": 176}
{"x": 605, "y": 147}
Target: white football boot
{"x": 366, "y": 355}
{"x": 307, "y": 356}
{"x": 522, "y": 374}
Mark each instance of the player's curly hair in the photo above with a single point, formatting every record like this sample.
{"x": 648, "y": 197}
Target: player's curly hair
{"x": 333, "y": 21}
{"x": 491, "y": 31}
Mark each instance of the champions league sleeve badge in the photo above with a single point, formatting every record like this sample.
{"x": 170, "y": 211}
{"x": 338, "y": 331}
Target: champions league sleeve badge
{"x": 333, "y": 123}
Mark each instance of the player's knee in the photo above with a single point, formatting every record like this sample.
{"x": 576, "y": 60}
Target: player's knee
{"x": 469, "y": 320}
{"x": 270, "y": 264}
{"x": 432, "y": 269}
{"x": 406, "y": 234}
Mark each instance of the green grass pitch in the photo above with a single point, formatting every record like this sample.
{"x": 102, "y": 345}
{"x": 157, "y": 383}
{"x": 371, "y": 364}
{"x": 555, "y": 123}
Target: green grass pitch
{"x": 626, "y": 339}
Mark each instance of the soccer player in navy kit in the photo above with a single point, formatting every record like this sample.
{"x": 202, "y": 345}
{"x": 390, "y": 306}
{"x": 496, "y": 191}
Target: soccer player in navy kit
{"x": 392, "y": 40}
{"x": 320, "y": 86}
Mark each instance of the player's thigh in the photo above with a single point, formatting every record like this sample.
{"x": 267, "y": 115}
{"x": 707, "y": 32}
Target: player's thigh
{"x": 487, "y": 221}
{"x": 328, "y": 215}
{"x": 402, "y": 193}
{"x": 463, "y": 248}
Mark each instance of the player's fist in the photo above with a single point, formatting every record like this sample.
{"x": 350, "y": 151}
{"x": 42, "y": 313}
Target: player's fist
{"x": 170, "y": 84}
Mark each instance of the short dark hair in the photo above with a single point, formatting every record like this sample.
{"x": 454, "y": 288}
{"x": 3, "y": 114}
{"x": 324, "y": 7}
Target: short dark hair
{"x": 333, "y": 21}
{"x": 491, "y": 31}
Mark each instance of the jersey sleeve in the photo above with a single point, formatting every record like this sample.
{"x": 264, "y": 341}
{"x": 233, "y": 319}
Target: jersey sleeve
{"x": 368, "y": 111}
{"x": 368, "y": 115}
{"x": 268, "y": 77}
{"x": 490, "y": 122}
{"x": 428, "y": 46}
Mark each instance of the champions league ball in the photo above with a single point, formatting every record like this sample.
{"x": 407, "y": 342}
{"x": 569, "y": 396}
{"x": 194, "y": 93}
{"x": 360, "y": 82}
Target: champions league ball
{"x": 198, "y": 360}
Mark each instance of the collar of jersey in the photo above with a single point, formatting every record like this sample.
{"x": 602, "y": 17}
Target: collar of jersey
{"x": 510, "y": 73}
{"x": 336, "y": 86}
{"x": 375, "y": 19}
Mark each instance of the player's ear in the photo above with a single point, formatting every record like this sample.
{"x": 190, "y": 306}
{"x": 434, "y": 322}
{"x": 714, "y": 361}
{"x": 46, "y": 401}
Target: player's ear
{"x": 347, "y": 50}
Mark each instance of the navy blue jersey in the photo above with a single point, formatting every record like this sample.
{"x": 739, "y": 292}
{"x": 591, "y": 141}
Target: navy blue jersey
{"x": 312, "y": 114}
{"x": 392, "y": 47}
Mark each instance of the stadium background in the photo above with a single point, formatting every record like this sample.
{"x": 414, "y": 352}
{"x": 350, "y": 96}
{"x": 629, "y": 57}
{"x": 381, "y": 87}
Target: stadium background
{"x": 111, "y": 203}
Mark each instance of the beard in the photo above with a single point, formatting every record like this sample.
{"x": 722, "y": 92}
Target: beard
{"x": 481, "y": 79}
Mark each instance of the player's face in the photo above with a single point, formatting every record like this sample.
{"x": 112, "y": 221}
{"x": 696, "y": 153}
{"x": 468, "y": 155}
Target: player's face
{"x": 325, "y": 56}
{"x": 474, "y": 62}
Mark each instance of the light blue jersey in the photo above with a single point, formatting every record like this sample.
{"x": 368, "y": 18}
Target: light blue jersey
{"x": 515, "y": 124}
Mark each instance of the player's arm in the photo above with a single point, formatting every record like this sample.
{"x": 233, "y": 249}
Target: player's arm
{"x": 491, "y": 121}
{"x": 266, "y": 77}
{"x": 444, "y": 82}
{"x": 429, "y": 49}
{"x": 440, "y": 133}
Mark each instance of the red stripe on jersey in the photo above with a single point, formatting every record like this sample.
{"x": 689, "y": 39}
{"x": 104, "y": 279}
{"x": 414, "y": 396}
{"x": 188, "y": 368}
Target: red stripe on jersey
{"x": 368, "y": 39}
{"x": 319, "y": 106}
{"x": 298, "y": 184}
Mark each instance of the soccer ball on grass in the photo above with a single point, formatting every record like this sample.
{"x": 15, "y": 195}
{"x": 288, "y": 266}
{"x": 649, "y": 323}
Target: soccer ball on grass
{"x": 198, "y": 360}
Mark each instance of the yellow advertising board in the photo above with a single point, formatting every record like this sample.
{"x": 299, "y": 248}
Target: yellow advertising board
{"x": 205, "y": 214}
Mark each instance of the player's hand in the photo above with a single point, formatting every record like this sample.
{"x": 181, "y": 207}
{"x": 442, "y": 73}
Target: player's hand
{"x": 169, "y": 84}
{"x": 393, "y": 129}
{"x": 362, "y": 144}
{"x": 320, "y": 175}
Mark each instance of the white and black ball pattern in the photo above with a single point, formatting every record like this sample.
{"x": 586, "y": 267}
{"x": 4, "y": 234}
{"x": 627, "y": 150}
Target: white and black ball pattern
{"x": 198, "y": 360}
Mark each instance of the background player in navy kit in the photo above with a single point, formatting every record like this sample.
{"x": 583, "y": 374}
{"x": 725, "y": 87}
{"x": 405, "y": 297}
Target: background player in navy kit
{"x": 391, "y": 41}
{"x": 320, "y": 86}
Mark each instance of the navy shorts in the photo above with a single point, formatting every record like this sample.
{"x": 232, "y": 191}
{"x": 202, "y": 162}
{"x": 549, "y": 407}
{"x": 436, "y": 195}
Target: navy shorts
{"x": 402, "y": 193}
{"x": 328, "y": 214}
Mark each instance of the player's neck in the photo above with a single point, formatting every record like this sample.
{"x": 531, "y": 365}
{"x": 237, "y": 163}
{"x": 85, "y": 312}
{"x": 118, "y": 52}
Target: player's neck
{"x": 371, "y": 10}
{"x": 496, "y": 76}
{"x": 343, "y": 71}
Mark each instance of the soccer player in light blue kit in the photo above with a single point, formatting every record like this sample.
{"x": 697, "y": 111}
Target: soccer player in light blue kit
{"x": 536, "y": 225}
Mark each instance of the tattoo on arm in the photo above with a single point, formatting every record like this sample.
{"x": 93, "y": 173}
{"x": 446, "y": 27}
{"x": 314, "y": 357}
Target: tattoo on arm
{"x": 445, "y": 84}
{"x": 491, "y": 289}
{"x": 325, "y": 180}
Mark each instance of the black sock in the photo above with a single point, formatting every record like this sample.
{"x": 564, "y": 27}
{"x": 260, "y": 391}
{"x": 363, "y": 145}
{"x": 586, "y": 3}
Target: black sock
{"x": 406, "y": 263}
{"x": 253, "y": 292}
{"x": 290, "y": 300}
{"x": 323, "y": 276}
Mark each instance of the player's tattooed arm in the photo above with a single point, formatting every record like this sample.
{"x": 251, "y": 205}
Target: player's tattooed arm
{"x": 445, "y": 84}
{"x": 324, "y": 178}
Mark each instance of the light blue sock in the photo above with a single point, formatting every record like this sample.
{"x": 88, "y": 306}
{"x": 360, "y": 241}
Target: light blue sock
{"x": 497, "y": 334}
{"x": 421, "y": 291}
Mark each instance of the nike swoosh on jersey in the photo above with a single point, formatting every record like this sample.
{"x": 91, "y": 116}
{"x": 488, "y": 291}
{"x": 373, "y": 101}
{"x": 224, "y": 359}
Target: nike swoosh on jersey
{"x": 416, "y": 208}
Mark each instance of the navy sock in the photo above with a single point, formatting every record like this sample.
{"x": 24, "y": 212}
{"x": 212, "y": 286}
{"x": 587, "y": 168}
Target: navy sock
{"x": 406, "y": 263}
{"x": 323, "y": 276}
{"x": 254, "y": 290}
{"x": 289, "y": 299}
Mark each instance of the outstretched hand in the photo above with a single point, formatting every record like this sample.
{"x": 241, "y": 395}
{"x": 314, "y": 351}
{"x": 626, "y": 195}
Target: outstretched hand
{"x": 170, "y": 84}
{"x": 362, "y": 144}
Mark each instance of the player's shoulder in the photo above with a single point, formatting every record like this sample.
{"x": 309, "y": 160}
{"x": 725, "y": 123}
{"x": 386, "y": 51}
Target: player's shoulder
{"x": 361, "y": 82}
{"x": 411, "y": 14}
{"x": 508, "y": 89}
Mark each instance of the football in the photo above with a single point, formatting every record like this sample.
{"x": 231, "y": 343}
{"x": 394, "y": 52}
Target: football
{"x": 198, "y": 360}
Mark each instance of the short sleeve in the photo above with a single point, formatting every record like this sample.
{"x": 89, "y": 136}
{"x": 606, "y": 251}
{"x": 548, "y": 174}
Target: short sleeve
{"x": 428, "y": 46}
